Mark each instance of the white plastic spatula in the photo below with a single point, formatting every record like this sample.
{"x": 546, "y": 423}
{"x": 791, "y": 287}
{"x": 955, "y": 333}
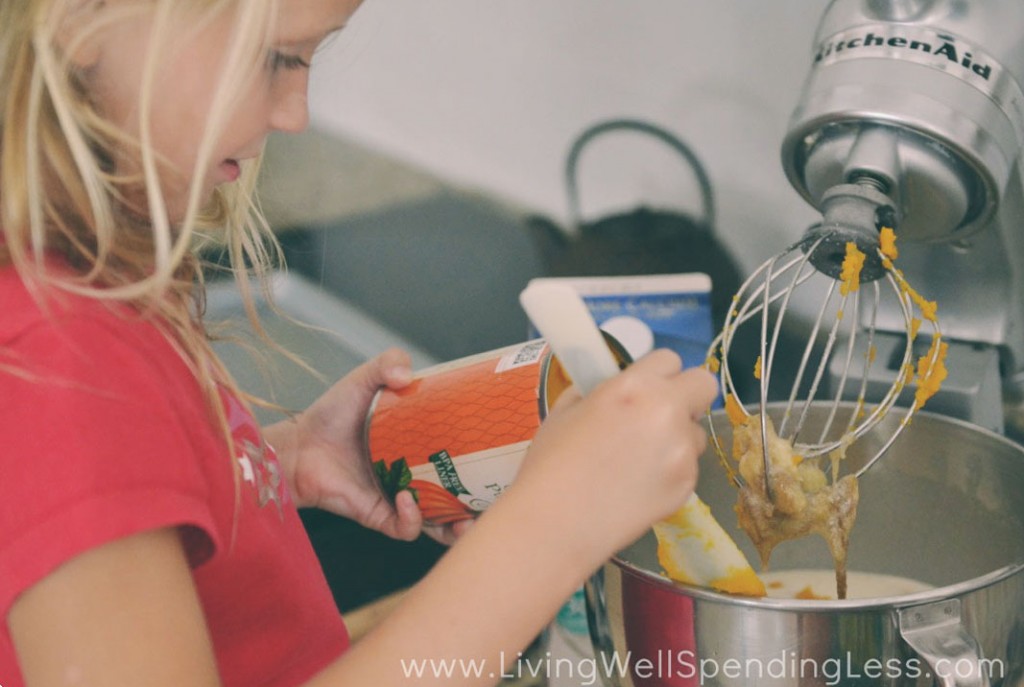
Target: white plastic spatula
{"x": 692, "y": 546}
{"x": 562, "y": 318}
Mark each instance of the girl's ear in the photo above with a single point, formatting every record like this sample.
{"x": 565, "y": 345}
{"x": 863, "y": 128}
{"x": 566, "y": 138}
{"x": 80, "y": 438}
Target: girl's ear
{"x": 76, "y": 34}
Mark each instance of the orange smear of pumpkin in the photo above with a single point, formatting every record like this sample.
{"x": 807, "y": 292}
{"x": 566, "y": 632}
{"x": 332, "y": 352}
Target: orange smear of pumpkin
{"x": 735, "y": 411}
{"x": 887, "y": 239}
{"x": 853, "y": 263}
{"x": 808, "y": 594}
{"x": 930, "y": 375}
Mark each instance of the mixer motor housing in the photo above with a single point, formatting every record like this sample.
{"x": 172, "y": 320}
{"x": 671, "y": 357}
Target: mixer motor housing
{"x": 921, "y": 101}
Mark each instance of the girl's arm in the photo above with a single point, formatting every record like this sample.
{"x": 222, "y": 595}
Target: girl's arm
{"x": 599, "y": 472}
{"x": 125, "y": 613}
{"x": 591, "y": 485}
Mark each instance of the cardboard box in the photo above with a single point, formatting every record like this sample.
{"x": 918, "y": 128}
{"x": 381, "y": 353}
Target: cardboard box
{"x": 650, "y": 311}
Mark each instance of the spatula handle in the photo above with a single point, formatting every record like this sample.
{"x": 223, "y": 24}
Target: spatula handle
{"x": 562, "y": 318}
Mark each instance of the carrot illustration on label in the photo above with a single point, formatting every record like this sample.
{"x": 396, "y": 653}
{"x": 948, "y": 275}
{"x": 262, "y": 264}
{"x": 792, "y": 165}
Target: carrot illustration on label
{"x": 437, "y": 504}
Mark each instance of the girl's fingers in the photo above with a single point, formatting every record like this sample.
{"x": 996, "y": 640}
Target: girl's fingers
{"x": 391, "y": 368}
{"x": 662, "y": 362}
{"x": 395, "y": 367}
{"x": 449, "y": 534}
{"x": 699, "y": 387}
{"x": 702, "y": 389}
{"x": 408, "y": 522}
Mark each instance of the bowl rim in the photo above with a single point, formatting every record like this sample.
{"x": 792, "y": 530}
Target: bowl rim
{"x": 957, "y": 589}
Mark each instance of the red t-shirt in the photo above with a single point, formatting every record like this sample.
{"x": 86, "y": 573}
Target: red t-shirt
{"x": 105, "y": 433}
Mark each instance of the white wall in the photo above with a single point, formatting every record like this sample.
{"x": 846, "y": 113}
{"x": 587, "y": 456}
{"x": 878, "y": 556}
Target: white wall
{"x": 490, "y": 93}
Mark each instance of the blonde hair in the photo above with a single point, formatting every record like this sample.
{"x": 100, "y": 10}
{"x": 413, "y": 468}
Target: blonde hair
{"x": 60, "y": 192}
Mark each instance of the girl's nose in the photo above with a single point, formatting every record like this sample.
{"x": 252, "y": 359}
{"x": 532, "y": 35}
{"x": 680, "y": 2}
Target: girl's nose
{"x": 291, "y": 111}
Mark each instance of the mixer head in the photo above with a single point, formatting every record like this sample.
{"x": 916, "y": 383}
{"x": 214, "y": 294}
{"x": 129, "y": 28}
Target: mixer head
{"x": 922, "y": 95}
{"x": 921, "y": 102}
{"x": 848, "y": 291}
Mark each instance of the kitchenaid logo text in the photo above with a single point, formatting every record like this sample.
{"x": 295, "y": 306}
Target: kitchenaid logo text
{"x": 933, "y": 49}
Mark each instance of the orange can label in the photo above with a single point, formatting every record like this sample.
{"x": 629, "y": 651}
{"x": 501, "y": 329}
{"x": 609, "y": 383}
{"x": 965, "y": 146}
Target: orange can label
{"x": 457, "y": 434}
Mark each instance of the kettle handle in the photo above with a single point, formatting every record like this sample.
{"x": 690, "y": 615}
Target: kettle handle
{"x": 595, "y": 130}
{"x": 935, "y": 632}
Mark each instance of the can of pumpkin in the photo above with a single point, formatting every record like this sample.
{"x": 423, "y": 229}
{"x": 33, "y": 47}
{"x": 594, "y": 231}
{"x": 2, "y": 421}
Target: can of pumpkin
{"x": 456, "y": 436}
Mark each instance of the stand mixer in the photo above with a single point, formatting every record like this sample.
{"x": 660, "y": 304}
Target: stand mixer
{"x": 913, "y": 115}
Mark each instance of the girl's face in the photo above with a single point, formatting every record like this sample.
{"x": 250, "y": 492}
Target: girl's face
{"x": 274, "y": 98}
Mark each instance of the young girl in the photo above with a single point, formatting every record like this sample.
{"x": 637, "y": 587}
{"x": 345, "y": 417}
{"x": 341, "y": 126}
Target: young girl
{"x": 148, "y": 528}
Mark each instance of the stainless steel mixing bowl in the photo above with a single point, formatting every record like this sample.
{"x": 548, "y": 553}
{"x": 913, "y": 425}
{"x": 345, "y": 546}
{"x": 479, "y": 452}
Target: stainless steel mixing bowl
{"x": 944, "y": 506}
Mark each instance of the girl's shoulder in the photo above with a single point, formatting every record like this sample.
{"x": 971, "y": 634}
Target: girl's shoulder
{"x": 41, "y": 309}
{"x": 63, "y": 340}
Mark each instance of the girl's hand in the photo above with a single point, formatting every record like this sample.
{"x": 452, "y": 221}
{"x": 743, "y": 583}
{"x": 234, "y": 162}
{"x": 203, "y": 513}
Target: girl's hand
{"x": 609, "y": 465}
{"x": 324, "y": 458}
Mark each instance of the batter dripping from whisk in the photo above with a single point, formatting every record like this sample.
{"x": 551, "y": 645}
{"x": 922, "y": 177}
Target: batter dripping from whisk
{"x": 801, "y": 502}
{"x": 784, "y": 491}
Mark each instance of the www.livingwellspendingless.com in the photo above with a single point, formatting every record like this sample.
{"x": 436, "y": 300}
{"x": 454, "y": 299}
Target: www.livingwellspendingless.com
{"x": 684, "y": 665}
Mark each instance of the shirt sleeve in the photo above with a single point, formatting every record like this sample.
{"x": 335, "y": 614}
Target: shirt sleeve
{"x": 98, "y": 418}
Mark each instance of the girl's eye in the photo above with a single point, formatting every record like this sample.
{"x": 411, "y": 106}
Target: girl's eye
{"x": 277, "y": 60}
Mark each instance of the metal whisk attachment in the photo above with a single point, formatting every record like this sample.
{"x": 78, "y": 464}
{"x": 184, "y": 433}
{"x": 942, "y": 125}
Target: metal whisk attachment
{"x": 817, "y": 267}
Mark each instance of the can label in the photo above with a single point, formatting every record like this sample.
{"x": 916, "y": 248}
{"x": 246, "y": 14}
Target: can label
{"x": 457, "y": 434}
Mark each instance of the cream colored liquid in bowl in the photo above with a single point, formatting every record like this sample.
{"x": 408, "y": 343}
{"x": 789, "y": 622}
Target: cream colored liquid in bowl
{"x": 821, "y": 584}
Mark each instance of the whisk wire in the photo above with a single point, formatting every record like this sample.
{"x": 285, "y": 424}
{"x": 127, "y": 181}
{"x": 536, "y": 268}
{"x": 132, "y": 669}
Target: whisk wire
{"x": 851, "y": 340}
{"x": 822, "y": 361}
{"x": 869, "y": 360}
{"x": 783, "y": 309}
{"x": 773, "y": 285}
